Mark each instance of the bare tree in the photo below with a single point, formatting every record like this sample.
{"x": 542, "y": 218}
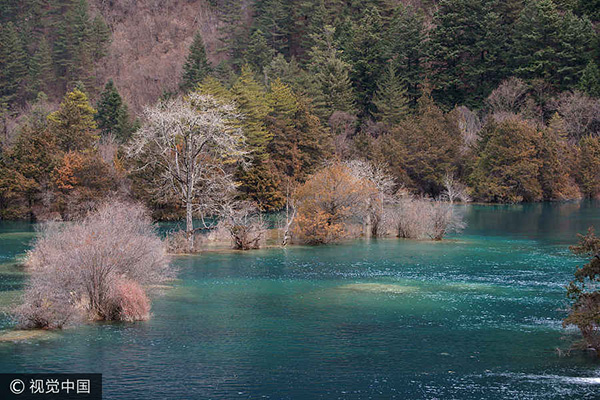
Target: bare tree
{"x": 455, "y": 190}
{"x": 96, "y": 266}
{"x": 191, "y": 141}
{"x": 290, "y": 214}
{"x": 245, "y": 225}
{"x": 509, "y": 97}
{"x": 581, "y": 114}
{"x": 382, "y": 182}
{"x": 415, "y": 218}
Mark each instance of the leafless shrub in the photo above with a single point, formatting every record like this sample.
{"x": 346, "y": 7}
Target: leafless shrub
{"x": 91, "y": 267}
{"x": 455, "y": 190}
{"x": 424, "y": 218}
{"x": 245, "y": 225}
{"x": 508, "y": 97}
{"x": 128, "y": 302}
{"x": 177, "y": 242}
{"x": 581, "y": 114}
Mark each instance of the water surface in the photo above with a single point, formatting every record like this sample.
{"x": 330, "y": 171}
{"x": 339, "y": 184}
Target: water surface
{"x": 476, "y": 316}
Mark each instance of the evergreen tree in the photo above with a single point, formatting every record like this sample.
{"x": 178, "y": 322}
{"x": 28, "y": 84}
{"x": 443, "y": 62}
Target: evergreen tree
{"x": 41, "y": 70}
{"x": 275, "y": 19}
{"x": 333, "y": 88}
{"x": 251, "y": 99}
{"x": 576, "y": 42}
{"x": 537, "y": 36}
{"x": 591, "y": 8}
{"x": 463, "y": 58}
{"x": 258, "y": 54}
{"x": 406, "y": 40}
{"x": 390, "y": 99}
{"x": 234, "y": 32}
{"x": 73, "y": 124}
{"x": 196, "y": 66}
{"x": 214, "y": 88}
{"x": 366, "y": 54}
{"x": 283, "y": 101}
{"x": 590, "y": 80}
{"x": 430, "y": 144}
{"x": 61, "y": 53}
{"x": 81, "y": 45}
{"x": 112, "y": 117}
{"x": 100, "y": 37}
{"x": 13, "y": 67}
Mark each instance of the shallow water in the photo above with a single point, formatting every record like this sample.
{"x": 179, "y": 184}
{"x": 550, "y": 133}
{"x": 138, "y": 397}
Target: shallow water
{"x": 476, "y": 316}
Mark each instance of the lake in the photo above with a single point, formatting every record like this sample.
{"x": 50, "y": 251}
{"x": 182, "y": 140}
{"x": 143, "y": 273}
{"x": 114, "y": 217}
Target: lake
{"x": 476, "y": 316}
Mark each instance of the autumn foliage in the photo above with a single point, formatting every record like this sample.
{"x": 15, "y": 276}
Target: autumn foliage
{"x": 329, "y": 202}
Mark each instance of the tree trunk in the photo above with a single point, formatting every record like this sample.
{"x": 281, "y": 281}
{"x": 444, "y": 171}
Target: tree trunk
{"x": 189, "y": 226}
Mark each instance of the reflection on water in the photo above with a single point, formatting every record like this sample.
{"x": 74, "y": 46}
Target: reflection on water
{"x": 476, "y": 316}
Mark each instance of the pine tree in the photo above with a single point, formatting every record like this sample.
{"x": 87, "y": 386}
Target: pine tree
{"x": 196, "y": 66}
{"x": 251, "y": 99}
{"x": 590, "y": 80}
{"x": 430, "y": 143}
{"x": 276, "y": 21}
{"x": 258, "y": 54}
{"x": 234, "y": 32}
{"x": 406, "y": 37}
{"x": 112, "y": 117}
{"x": 576, "y": 41}
{"x": 508, "y": 166}
{"x": 100, "y": 37}
{"x": 61, "y": 53}
{"x": 283, "y": 101}
{"x": 537, "y": 36}
{"x": 463, "y": 59}
{"x": 81, "y": 45}
{"x": 333, "y": 88}
{"x": 41, "y": 70}
{"x": 214, "y": 88}
{"x": 366, "y": 54}
{"x": 13, "y": 67}
{"x": 390, "y": 99}
{"x": 73, "y": 124}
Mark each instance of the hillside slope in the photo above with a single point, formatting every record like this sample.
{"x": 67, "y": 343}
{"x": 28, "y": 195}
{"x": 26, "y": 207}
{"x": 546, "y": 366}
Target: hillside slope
{"x": 150, "y": 40}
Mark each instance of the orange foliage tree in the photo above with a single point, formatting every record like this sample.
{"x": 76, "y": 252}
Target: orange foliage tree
{"x": 329, "y": 202}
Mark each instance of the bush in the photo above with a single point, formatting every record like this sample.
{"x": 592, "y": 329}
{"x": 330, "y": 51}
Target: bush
{"x": 94, "y": 268}
{"x": 245, "y": 226}
{"x": 424, "y": 218}
{"x": 328, "y": 202}
{"x": 129, "y": 302}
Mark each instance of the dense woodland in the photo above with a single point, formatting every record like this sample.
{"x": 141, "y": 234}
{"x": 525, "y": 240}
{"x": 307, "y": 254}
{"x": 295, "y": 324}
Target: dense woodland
{"x": 501, "y": 96}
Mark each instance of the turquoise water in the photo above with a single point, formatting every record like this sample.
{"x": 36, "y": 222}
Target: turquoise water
{"x": 475, "y": 317}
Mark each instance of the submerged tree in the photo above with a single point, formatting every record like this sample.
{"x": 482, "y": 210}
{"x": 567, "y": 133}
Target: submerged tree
{"x": 96, "y": 267}
{"x": 191, "y": 142}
